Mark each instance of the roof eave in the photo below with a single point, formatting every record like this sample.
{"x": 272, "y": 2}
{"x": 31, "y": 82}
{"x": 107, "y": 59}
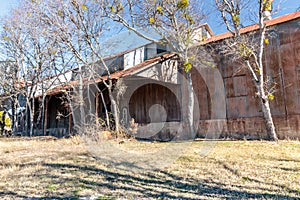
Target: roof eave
{"x": 254, "y": 27}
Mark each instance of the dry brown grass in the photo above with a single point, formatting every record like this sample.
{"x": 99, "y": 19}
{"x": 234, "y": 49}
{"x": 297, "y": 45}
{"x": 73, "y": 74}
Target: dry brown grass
{"x": 63, "y": 168}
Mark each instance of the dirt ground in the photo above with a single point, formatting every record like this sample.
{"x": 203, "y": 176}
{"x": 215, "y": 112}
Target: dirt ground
{"x": 50, "y": 168}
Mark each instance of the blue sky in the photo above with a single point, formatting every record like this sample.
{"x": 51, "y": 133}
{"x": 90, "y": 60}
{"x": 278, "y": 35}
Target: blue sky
{"x": 286, "y": 6}
{"x": 6, "y": 6}
{"x": 283, "y": 6}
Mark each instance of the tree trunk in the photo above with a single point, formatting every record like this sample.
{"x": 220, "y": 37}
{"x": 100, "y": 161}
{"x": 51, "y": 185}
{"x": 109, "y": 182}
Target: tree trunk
{"x": 81, "y": 103}
{"x": 14, "y": 112}
{"x": 115, "y": 112}
{"x": 105, "y": 108}
{"x": 265, "y": 104}
{"x": 190, "y": 111}
{"x": 27, "y": 113}
{"x": 43, "y": 114}
{"x": 268, "y": 119}
{"x": 260, "y": 86}
{"x": 114, "y": 108}
{"x": 32, "y": 118}
{"x": 45, "y": 117}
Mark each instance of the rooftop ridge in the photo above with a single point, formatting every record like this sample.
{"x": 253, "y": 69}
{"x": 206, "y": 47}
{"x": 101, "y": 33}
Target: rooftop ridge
{"x": 271, "y": 22}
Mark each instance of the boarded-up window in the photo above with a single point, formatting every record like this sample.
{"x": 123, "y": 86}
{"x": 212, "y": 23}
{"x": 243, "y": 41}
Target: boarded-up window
{"x": 236, "y": 92}
{"x": 236, "y": 86}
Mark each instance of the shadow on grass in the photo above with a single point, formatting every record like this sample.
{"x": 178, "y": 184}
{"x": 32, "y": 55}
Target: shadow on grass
{"x": 287, "y": 160}
{"x": 237, "y": 173}
{"x": 156, "y": 184}
{"x": 15, "y": 195}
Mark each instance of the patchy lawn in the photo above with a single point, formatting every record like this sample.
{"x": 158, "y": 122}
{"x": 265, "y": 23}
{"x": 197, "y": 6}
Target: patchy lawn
{"x": 67, "y": 168}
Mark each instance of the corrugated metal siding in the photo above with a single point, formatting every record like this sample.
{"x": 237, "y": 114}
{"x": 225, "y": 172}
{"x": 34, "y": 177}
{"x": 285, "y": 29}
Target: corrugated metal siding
{"x": 282, "y": 65}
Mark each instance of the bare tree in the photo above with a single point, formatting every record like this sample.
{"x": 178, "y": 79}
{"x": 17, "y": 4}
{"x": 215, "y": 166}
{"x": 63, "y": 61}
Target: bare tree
{"x": 74, "y": 28}
{"x": 22, "y": 50}
{"x": 177, "y": 22}
{"x": 34, "y": 55}
{"x": 248, "y": 49}
{"x": 8, "y": 86}
{"x": 77, "y": 27}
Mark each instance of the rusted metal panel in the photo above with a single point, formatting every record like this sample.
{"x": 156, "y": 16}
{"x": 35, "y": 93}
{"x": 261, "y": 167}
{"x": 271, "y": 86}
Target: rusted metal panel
{"x": 239, "y": 70}
{"x": 240, "y": 85}
{"x": 297, "y": 52}
{"x": 282, "y": 65}
{"x": 252, "y": 128}
{"x": 272, "y": 64}
{"x": 236, "y": 107}
{"x": 226, "y": 69}
{"x": 253, "y": 104}
{"x": 284, "y": 37}
{"x": 229, "y": 87}
{"x": 236, "y": 86}
{"x": 290, "y": 79}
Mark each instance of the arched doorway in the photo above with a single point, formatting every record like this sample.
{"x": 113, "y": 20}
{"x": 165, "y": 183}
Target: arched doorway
{"x": 151, "y": 99}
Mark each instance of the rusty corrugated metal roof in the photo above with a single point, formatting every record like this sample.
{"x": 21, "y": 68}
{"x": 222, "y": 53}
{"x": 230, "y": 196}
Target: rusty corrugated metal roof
{"x": 115, "y": 75}
{"x": 272, "y": 22}
{"x": 146, "y": 63}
